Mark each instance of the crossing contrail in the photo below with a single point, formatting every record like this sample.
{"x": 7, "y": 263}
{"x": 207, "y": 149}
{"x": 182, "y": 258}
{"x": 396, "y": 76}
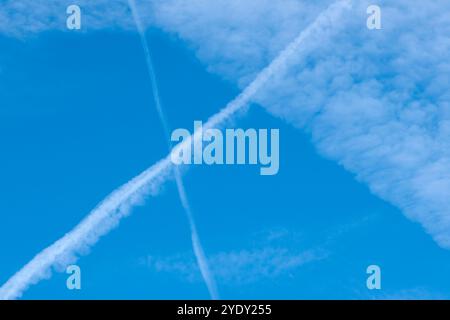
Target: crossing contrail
{"x": 195, "y": 238}
{"x": 119, "y": 203}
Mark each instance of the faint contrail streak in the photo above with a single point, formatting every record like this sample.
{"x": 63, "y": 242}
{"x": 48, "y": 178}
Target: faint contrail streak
{"x": 117, "y": 205}
{"x": 196, "y": 243}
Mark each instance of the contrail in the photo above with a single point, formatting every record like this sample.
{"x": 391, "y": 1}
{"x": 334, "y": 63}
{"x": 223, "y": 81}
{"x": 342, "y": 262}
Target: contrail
{"x": 118, "y": 204}
{"x": 196, "y": 243}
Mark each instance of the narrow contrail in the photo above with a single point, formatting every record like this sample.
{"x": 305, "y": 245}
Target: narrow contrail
{"x": 118, "y": 204}
{"x": 195, "y": 238}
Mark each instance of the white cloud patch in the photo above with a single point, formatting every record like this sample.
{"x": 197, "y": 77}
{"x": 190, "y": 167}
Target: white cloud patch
{"x": 269, "y": 254}
{"x": 237, "y": 267}
{"x": 272, "y": 253}
{"x": 21, "y": 18}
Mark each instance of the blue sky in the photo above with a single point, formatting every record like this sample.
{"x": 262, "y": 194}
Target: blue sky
{"x": 77, "y": 120}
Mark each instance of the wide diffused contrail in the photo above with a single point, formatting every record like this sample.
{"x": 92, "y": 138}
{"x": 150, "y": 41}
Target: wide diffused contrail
{"x": 117, "y": 205}
{"x": 195, "y": 238}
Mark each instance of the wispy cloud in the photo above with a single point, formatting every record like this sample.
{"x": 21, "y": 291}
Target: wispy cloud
{"x": 240, "y": 266}
{"x": 271, "y": 253}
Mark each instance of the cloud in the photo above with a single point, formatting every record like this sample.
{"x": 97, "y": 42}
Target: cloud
{"x": 271, "y": 253}
{"x": 238, "y": 267}
{"x": 22, "y": 18}
{"x": 375, "y": 101}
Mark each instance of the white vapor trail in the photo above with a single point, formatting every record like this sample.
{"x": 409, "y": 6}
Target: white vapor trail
{"x": 195, "y": 238}
{"x": 118, "y": 204}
